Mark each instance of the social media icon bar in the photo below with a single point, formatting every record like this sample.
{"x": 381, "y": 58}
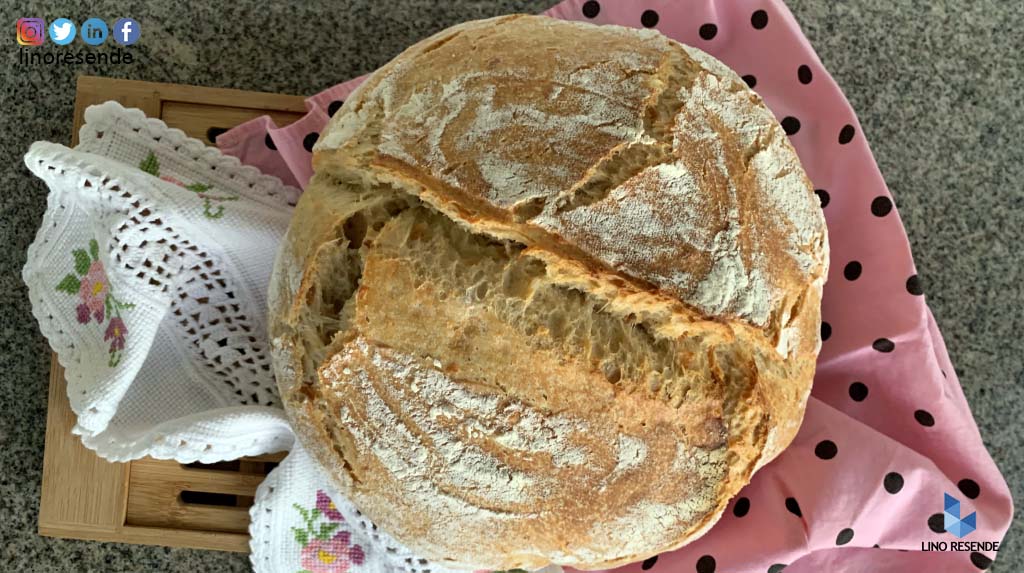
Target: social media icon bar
{"x": 31, "y": 31}
{"x": 94, "y": 31}
{"x": 126, "y": 31}
{"x": 62, "y": 31}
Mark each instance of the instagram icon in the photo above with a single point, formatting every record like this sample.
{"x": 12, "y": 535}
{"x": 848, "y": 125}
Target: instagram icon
{"x": 31, "y": 31}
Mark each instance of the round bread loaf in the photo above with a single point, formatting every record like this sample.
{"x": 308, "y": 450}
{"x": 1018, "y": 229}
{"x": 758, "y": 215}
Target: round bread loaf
{"x": 552, "y": 295}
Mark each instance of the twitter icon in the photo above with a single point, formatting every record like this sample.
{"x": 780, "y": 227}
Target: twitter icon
{"x": 62, "y": 31}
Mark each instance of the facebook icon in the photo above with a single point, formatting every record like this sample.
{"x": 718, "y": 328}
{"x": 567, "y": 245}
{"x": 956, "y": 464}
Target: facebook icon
{"x": 126, "y": 31}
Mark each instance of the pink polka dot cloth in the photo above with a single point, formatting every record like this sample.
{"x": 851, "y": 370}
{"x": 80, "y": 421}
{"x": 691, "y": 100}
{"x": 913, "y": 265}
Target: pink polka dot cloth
{"x": 887, "y": 432}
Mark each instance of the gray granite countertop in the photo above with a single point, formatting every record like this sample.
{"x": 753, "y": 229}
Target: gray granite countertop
{"x": 937, "y": 87}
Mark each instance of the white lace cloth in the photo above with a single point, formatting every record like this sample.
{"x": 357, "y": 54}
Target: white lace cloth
{"x": 148, "y": 277}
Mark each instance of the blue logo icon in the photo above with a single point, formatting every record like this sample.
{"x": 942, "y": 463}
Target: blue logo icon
{"x": 126, "y": 31}
{"x": 960, "y": 527}
{"x": 94, "y": 31}
{"x": 62, "y": 31}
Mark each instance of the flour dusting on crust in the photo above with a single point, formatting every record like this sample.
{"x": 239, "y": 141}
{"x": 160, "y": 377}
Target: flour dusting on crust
{"x": 459, "y": 422}
{"x": 482, "y": 455}
{"x": 670, "y": 249}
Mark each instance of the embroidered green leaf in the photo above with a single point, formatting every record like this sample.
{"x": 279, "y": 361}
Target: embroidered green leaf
{"x": 198, "y": 187}
{"x": 114, "y": 303}
{"x": 326, "y": 529}
{"x": 301, "y": 536}
{"x": 69, "y": 284}
{"x": 115, "y": 358}
{"x": 212, "y": 214}
{"x": 121, "y": 305}
{"x": 303, "y": 511}
{"x": 108, "y": 303}
{"x": 218, "y": 198}
{"x": 94, "y": 249}
{"x": 314, "y": 515}
{"x": 150, "y": 164}
{"x": 82, "y": 261}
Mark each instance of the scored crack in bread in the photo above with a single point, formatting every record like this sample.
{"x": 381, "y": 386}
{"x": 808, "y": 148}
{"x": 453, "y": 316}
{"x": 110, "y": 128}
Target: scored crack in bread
{"x": 552, "y": 295}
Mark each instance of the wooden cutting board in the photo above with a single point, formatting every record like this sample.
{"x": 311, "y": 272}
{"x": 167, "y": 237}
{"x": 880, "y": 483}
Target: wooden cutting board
{"x": 152, "y": 501}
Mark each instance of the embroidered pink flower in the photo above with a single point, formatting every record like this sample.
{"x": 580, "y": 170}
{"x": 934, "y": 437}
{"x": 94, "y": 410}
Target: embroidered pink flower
{"x": 356, "y": 555}
{"x": 170, "y": 179}
{"x": 115, "y": 334}
{"x": 331, "y": 556}
{"x": 327, "y": 507}
{"x": 93, "y": 292}
{"x": 89, "y": 282}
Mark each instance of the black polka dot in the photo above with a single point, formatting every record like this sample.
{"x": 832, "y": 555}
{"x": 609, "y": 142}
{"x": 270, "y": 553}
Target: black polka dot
{"x": 914, "y": 285}
{"x": 924, "y": 417}
{"x": 591, "y": 8}
{"x": 648, "y": 563}
{"x": 793, "y": 506}
{"x": 742, "y": 507}
{"x": 845, "y": 536}
{"x": 751, "y": 80}
{"x": 759, "y": 19}
{"x": 826, "y": 449}
{"x": 883, "y": 345}
{"x": 852, "y": 270}
{"x": 846, "y": 134}
{"x": 706, "y": 564}
{"x": 310, "y": 140}
{"x": 333, "y": 107}
{"x": 823, "y": 197}
{"x": 269, "y": 142}
{"x": 980, "y": 561}
{"x": 803, "y": 73}
{"x": 893, "y": 482}
{"x": 858, "y": 391}
{"x": 875, "y": 546}
{"x": 881, "y": 206}
{"x": 213, "y": 132}
{"x": 826, "y": 331}
{"x": 969, "y": 487}
{"x": 708, "y": 31}
{"x": 790, "y": 125}
{"x": 777, "y": 568}
{"x": 649, "y": 18}
{"x": 936, "y": 523}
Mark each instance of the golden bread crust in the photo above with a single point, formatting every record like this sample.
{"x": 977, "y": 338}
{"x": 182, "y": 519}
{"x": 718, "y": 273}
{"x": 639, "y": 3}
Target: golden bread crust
{"x": 522, "y": 228}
